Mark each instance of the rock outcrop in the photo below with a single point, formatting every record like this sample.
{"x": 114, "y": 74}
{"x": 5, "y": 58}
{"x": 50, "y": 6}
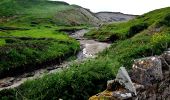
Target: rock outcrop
{"x": 149, "y": 79}
{"x": 113, "y": 16}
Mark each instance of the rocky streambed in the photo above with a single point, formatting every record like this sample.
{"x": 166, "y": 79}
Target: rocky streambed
{"x": 89, "y": 49}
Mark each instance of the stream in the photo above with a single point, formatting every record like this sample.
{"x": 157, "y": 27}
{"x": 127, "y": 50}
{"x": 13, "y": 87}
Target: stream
{"x": 89, "y": 49}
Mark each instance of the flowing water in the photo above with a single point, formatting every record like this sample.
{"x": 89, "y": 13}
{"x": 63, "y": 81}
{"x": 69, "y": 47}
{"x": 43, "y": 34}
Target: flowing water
{"x": 89, "y": 49}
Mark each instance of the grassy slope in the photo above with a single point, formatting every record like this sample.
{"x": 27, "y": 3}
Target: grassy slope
{"x": 81, "y": 81}
{"x": 25, "y": 50}
{"x": 30, "y": 12}
{"x": 120, "y": 31}
{"x": 2, "y": 42}
{"x": 27, "y": 39}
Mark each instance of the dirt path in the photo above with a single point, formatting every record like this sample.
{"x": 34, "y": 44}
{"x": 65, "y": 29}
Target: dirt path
{"x": 89, "y": 49}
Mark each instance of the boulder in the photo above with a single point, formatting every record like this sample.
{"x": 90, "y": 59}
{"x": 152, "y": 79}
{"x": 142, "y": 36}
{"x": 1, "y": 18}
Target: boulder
{"x": 147, "y": 71}
{"x": 113, "y": 85}
{"x": 165, "y": 57}
{"x": 124, "y": 79}
{"x": 122, "y": 95}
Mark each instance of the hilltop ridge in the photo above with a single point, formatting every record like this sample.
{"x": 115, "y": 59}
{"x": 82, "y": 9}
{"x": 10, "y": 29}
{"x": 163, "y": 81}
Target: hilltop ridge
{"x": 27, "y": 12}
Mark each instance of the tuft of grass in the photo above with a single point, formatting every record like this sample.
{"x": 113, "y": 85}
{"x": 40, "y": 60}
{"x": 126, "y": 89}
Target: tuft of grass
{"x": 2, "y": 42}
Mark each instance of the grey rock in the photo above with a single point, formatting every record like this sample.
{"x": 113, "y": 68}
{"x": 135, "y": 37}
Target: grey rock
{"x": 50, "y": 68}
{"x": 125, "y": 80}
{"x": 113, "y": 16}
{"x": 122, "y": 95}
{"x": 110, "y": 84}
{"x": 147, "y": 71}
{"x": 113, "y": 85}
{"x": 165, "y": 57}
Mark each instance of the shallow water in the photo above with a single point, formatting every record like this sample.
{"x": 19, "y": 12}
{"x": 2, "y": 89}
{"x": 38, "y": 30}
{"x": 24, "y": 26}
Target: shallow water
{"x": 89, "y": 49}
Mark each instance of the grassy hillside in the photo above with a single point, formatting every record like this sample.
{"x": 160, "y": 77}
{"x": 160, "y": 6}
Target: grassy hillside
{"x": 33, "y": 12}
{"x": 30, "y": 35}
{"x": 121, "y": 31}
{"x": 146, "y": 35}
{"x": 23, "y": 50}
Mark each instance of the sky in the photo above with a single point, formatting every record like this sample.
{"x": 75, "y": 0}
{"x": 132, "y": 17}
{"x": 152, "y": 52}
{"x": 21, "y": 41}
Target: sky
{"x": 136, "y": 7}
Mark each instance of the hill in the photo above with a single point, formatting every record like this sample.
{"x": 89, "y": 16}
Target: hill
{"x": 31, "y": 12}
{"x": 35, "y": 12}
{"x": 143, "y": 36}
{"x": 27, "y": 25}
{"x": 114, "y": 16}
{"x": 29, "y": 35}
{"x": 117, "y": 31}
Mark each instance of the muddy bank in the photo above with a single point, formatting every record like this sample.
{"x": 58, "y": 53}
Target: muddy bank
{"x": 89, "y": 49}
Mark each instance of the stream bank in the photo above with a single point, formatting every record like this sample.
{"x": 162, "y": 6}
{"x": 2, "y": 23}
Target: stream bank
{"x": 89, "y": 49}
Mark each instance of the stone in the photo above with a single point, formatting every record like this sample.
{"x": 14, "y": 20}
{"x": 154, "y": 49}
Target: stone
{"x": 50, "y": 68}
{"x": 147, "y": 71}
{"x": 11, "y": 79}
{"x": 122, "y": 95}
{"x": 126, "y": 95}
{"x": 124, "y": 79}
{"x": 113, "y": 85}
{"x": 165, "y": 57}
{"x": 138, "y": 86}
{"x": 150, "y": 81}
{"x": 109, "y": 85}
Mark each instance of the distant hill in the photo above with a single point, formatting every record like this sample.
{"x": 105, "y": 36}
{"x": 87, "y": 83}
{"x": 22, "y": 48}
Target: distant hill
{"x": 116, "y": 31}
{"x": 31, "y": 12}
{"x": 27, "y": 12}
{"x": 114, "y": 16}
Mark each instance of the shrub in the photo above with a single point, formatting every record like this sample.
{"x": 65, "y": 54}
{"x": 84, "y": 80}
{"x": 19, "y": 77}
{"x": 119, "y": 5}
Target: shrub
{"x": 165, "y": 21}
{"x": 136, "y": 29}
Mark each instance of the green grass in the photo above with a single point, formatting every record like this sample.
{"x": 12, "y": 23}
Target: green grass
{"x": 81, "y": 81}
{"x": 75, "y": 83}
{"x": 2, "y": 42}
{"x": 29, "y": 12}
{"x": 23, "y": 50}
{"x": 71, "y": 28}
{"x": 41, "y": 33}
{"x": 13, "y": 7}
{"x": 121, "y": 31}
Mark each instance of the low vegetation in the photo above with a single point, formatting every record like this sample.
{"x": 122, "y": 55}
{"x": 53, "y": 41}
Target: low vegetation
{"x": 83, "y": 80}
{"x": 146, "y": 35}
{"x": 2, "y": 42}
{"x": 25, "y": 50}
{"x": 43, "y": 12}
{"x": 77, "y": 82}
{"x": 124, "y": 30}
